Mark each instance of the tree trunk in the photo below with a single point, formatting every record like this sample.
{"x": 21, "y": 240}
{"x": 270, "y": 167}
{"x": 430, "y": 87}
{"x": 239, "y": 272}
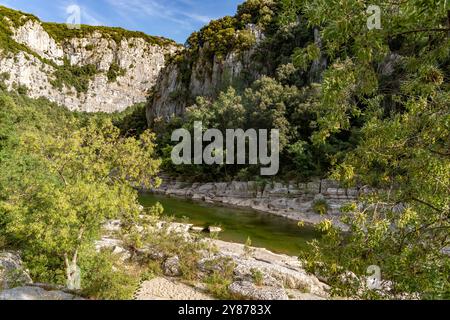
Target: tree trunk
{"x": 73, "y": 273}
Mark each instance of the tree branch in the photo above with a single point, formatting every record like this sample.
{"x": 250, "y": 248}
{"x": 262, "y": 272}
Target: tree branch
{"x": 427, "y": 204}
{"x": 423, "y": 30}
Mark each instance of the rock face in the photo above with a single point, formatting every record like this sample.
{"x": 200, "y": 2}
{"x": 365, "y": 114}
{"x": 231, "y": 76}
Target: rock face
{"x": 179, "y": 85}
{"x": 291, "y": 200}
{"x": 35, "y": 293}
{"x": 12, "y": 272}
{"x": 250, "y": 291}
{"x": 136, "y": 61}
{"x": 281, "y": 276}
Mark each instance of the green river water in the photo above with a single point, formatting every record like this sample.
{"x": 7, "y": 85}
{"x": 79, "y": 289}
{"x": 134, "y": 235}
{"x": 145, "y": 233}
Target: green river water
{"x": 272, "y": 232}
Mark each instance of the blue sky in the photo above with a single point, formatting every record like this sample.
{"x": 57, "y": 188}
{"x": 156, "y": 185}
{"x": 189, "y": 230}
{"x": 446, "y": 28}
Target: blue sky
{"x": 174, "y": 19}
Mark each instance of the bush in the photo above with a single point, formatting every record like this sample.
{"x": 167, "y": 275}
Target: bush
{"x": 320, "y": 206}
{"x": 106, "y": 278}
{"x": 115, "y": 71}
{"x": 257, "y": 276}
{"x": 74, "y": 76}
{"x": 22, "y": 89}
{"x": 219, "y": 280}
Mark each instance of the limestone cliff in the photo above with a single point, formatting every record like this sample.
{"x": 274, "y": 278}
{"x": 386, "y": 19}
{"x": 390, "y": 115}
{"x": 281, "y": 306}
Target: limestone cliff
{"x": 90, "y": 69}
{"x": 196, "y": 73}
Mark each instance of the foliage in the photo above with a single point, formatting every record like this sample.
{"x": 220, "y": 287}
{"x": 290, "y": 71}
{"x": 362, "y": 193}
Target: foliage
{"x": 61, "y": 33}
{"x": 132, "y": 121}
{"x": 257, "y": 276}
{"x": 220, "y": 37}
{"x": 218, "y": 281}
{"x": 259, "y": 12}
{"x": 77, "y": 77}
{"x": 403, "y": 225}
{"x": 115, "y": 71}
{"x": 107, "y": 278}
{"x": 267, "y": 104}
{"x": 320, "y": 206}
{"x": 62, "y": 175}
{"x": 379, "y": 118}
{"x": 12, "y": 18}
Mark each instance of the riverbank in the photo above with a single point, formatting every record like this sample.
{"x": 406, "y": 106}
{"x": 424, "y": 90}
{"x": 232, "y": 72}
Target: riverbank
{"x": 217, "y": 269}
{"x": 221, "y": 268}
{"x": 293, "y": 201}
{"x": 258, "y": 274}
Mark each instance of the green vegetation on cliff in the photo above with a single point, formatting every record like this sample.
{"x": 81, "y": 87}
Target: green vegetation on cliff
{"x": 60, "y": 32}
{"x": 8, "y": 18}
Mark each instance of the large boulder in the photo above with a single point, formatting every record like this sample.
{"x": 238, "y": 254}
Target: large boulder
{"x": 12, "y": 272}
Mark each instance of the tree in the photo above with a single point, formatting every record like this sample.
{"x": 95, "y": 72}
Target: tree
{"x": 403, "y": 222}
{"x": 61, "y": 179}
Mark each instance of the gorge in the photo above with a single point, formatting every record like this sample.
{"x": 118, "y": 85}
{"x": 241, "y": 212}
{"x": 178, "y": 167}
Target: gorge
{"x": 92, "y": 204}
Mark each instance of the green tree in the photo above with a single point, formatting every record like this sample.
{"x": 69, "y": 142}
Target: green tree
{"x": 61, "y": 179}
{"x": 403, "y": 222}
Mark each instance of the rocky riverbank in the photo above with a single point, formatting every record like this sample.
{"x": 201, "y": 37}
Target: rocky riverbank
{"x": 294, "y": 201}
{"x": 256, "y": 273}
{"x": 253, "y": 273}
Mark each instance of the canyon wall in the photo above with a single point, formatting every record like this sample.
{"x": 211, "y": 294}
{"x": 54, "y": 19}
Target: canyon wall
{"x": 91, "y": 69}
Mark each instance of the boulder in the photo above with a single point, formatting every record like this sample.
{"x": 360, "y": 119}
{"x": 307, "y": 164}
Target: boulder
{"x": 12, "y": 273}
{"x": 35, "y": 293}
{"x": 214, "y": 229}
{"x": 115, "y": 245}
{"x": 171, "y": 267}
{"x": 246, "y": 289}
{"x": 197, "y": 229}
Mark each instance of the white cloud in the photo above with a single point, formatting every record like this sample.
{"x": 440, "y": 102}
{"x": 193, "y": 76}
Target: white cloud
{"x": 160, "y": 9}
{"x": 197, "y": 17}
{"x": 90, "y": 18}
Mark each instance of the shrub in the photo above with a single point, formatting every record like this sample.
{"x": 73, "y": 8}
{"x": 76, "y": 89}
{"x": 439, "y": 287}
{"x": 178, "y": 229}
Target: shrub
{"x": 219, "y": 280}
{"x": 77, "y": 77}
{"x": 115, "y": 71}
{"x": 257, "y": 276}
{"x": 22, "y": 89}
{"x": 106, "y": 278}
{"x": 320, "y": 206}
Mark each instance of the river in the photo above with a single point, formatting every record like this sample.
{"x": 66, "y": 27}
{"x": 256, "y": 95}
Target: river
{"x": 268, "y": 231}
